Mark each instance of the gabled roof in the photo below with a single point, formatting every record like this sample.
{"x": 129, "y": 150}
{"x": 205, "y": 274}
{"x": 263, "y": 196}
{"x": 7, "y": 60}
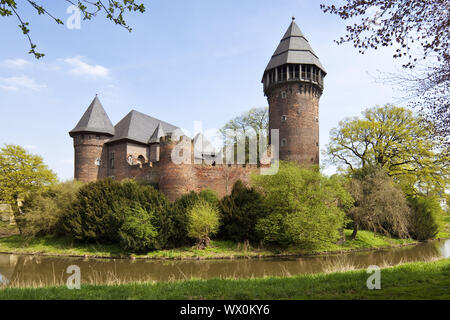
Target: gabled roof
{"x": 156, "y": 136}
{"x": 139, "y": 127}
{"x": 294, "y": 48}
{"x": 94, "y": 119}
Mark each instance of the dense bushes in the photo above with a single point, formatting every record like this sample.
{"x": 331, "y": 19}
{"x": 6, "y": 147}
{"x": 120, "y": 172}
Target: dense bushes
{"x": 241, "y": 210}
{"x": 424, "y": 218}
{"x": 176, "y": 228}
{"x": 297, "y": 206}
{"x": 98, "y": 212}
{"x": 44, "y": 210}
{"x": 138, "y": 233}
{"x": 303, "y": 207}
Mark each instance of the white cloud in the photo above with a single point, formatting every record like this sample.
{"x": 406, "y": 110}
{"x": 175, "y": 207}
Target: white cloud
{"x": 20, "y": 82}
{"x": 15, "y": 63}
{"x": 81, "y": 68}
{"x": 31, "y": 147}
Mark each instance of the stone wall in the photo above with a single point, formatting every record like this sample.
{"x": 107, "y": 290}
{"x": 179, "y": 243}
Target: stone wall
{"x": 173, "y": 179}
{"x": 294, "y": 110}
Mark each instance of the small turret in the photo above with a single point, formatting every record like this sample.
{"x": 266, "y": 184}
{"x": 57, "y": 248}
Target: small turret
{"x": 89, "y": 137}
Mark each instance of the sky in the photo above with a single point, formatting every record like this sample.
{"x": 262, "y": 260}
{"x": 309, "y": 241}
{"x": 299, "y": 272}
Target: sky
{"x": 184, "y": 61}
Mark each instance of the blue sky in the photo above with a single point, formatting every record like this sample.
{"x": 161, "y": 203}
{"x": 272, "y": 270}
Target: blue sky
{"x": 184, "y": 61}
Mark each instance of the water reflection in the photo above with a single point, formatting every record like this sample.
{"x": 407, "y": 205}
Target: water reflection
{"x": 28, "y": 270}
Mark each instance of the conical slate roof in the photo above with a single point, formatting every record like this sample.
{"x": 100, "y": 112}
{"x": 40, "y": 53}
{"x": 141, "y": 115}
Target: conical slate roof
{"x": 139, "y": 127}
{"x": 94, "y": 119}
{"x": 294, "y": 48}
{"x": 156, "y": 136}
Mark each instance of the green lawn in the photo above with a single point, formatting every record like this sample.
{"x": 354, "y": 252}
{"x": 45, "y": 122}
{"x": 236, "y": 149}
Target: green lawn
{"x": 423, "y": 280}
{"x": 219, "y": 249}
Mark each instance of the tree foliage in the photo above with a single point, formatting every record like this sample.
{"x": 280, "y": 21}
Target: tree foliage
{"x": 97, "y": 214}
{"x": 176, "y": 227}
{"x": 21, "y": 172}
{"x": 384, "y": 23}
{"x": 44, "y": 209}
{"x": 113, "y": 10}
{"x": 424, "y": 220}
{"x": 420, "y": 32}
{"x": 203, "y": 221}
{"x": 304, "y": 207}
{"x": 241, "y": 210}
{"x": 251, "y": 125}
{"x": 137, "y": 232}
{"x": 380, "y": 205}
{"x": 394, "y": 139}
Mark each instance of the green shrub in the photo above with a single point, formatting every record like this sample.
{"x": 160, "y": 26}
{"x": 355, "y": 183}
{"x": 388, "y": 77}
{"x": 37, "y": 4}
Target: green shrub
{"x": 240, "y": 212}
{"x": 44, "y": 210}
{"x": 175, "y": 230}
{"x": 424, "y": 218}
{"x": 97, "y": 213}
{"x": 203, "y": 221}
{"x": 137, "y": 233}
{"x": 303, "y": 207}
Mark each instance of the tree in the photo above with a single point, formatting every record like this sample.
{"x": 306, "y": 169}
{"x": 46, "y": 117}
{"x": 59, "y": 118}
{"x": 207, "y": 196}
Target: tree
{"x": 304, "y": 207}
{"x": 203, "y": 221}
{"x": 394, "y": 139}
{"x": 241, "y": 210}
{"x": 138, "y": 233}
{"x": 114, "y": 11}
{"x": 20, "y": 173}
{"x": 409, "y": 25}
{"x": 249, "y": 125}
{"x": 425, "y": 217}
{"x": 45, "y": 209}
{"x": 380, "y": 205}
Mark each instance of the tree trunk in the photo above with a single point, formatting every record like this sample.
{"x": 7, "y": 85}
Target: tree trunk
{"x": 355, "y": 231}
{"x": 203, "y": 243}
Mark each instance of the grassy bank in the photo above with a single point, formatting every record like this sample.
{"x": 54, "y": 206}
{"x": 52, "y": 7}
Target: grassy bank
{"x": 219, "y": 249}
{"x": 424, "y": 280}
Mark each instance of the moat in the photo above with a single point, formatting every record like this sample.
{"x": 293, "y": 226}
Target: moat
{"x": 25, "y": 270}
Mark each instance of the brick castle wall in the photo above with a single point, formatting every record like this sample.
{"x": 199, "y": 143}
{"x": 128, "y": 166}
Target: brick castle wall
{"x": 173, "y": 179}
{"x": 299, "y": 103}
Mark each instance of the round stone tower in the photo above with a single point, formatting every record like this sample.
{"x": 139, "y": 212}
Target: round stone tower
{"x": 89, "y": 137}
{"x": 293, "y": 84}
{"x": 176, "y": 170}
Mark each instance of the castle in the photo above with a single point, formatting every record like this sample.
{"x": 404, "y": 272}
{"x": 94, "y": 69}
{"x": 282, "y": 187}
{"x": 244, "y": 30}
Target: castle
{"x": 141, "y": 147}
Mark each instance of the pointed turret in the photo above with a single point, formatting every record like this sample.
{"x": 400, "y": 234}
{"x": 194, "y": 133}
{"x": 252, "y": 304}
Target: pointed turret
{"x": 94, "y": 120}
{"x": 294, "y": 60}
{"x": 294, "y": 48}
{"x": 158, "y": 134}
{"x": 89, "y": 138}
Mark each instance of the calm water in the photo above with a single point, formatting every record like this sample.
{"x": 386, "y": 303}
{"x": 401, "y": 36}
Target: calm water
{"x": 21, "y": 269}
